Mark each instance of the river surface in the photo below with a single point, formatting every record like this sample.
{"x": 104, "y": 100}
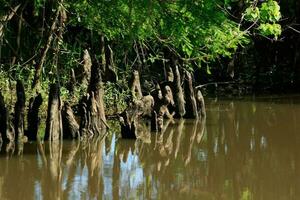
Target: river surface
{"x": 244, "y": 149}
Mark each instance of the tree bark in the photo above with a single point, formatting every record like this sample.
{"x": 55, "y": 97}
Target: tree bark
{"x": 109, "y": 73}
{"x": 33, "y": 117}
{"x": 191, "y": 104}
{"x": 162, "y": 100}
{"x": 70, "y": 125}
{"x": 178, "y": 93}
{"x": 135, "y": 85}
{"x": 200, "y": 104}
{"x": 20, "y": 112}
{"x": 93, "y": 113}
{"x": 3, "y": 119}
{"x": 54, "y": 120}
{"x": 87, "y": 64}
{"x": 39, "y": 66}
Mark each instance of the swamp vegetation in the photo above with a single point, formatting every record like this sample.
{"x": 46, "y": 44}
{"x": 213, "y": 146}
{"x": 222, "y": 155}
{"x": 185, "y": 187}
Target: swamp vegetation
{"x": 96, "y": 71}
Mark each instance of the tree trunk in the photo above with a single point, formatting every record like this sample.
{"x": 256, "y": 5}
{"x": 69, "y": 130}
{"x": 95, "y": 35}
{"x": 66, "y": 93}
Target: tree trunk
{"x": 70, "y": 125}
{"x": 3, "y": 119}
{"x": 54, "y": 120}
{"x": 86, "y": 71}
{"x": 200, "y": 104}
{"x": 93, "y": 113}
{"x": 109, "y": 73}
{"x": 135, "y": 85}
{"x": 128, "y": 125}
{"x": 33, "y": 117}
{"x": 39, "y": 66}
{"x": 20, "y": 112}
{"x": 130, "y": 117}
{"x": 162, "y": 99}
{"x": 178, "y": 93}
{"x": 191, "y": 104}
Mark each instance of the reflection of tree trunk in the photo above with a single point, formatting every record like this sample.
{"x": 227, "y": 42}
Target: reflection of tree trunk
{"x": 94, "y": 163}
{"x": 178, "y": 140}
{"x": 116, "y": 176}
{"x": 200, "y": 129}
{"x": 191, "y": 142}
{"x": 52, "y": 180}
{"x": 72, "y": 165}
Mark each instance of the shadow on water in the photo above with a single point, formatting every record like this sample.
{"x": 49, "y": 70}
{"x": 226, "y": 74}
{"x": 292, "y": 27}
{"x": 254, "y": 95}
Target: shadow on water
{"x": 242, "y": 150}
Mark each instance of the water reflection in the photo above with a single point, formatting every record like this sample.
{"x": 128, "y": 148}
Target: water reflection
{"x": 242, "y": 150}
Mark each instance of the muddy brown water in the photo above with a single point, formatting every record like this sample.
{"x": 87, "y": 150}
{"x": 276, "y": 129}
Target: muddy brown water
{"x": 245, "y": 149}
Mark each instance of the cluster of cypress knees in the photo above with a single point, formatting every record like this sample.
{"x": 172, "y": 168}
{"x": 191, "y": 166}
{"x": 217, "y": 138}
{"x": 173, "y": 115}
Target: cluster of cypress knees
{"x": 176, "y": 97}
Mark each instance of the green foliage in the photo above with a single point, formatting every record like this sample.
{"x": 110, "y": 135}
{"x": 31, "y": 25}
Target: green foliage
{"x": 270, "y": 29}
{"x": 115, "y": 96}
{"x": 267, "y": 16}
{"x": 270, "y": 11}
{"x": 252, "y": 14}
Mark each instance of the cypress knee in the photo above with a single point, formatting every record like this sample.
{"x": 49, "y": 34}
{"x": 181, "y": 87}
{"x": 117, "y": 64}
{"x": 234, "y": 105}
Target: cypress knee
{"x": 191, "y": 104}
{"x": 54, "y": 120}
{"x": 178, "y": 93}
{"x": 3, "y": 118}
{"x": 70, "y": 125}
{"x": 19, "y": 111}
{"x": 33, "y": 117}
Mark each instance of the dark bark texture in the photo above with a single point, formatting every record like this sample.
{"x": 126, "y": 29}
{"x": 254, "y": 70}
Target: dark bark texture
{"x": 191, "y": 104}
{"x": 3, "y": 118}
{"x": 33, "y": 117}
{"x": 54, "y": 120}
{"x": 70, "y": 125}
{"x": 19, "y": 111}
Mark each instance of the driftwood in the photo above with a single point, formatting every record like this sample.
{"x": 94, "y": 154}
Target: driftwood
{"x": 54, "y": 120}
{"x": 19, "y": 111}
{"x": 191, "y": 104}
{"x": 33, "y": 117}
{"x": 70, "y": 125}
